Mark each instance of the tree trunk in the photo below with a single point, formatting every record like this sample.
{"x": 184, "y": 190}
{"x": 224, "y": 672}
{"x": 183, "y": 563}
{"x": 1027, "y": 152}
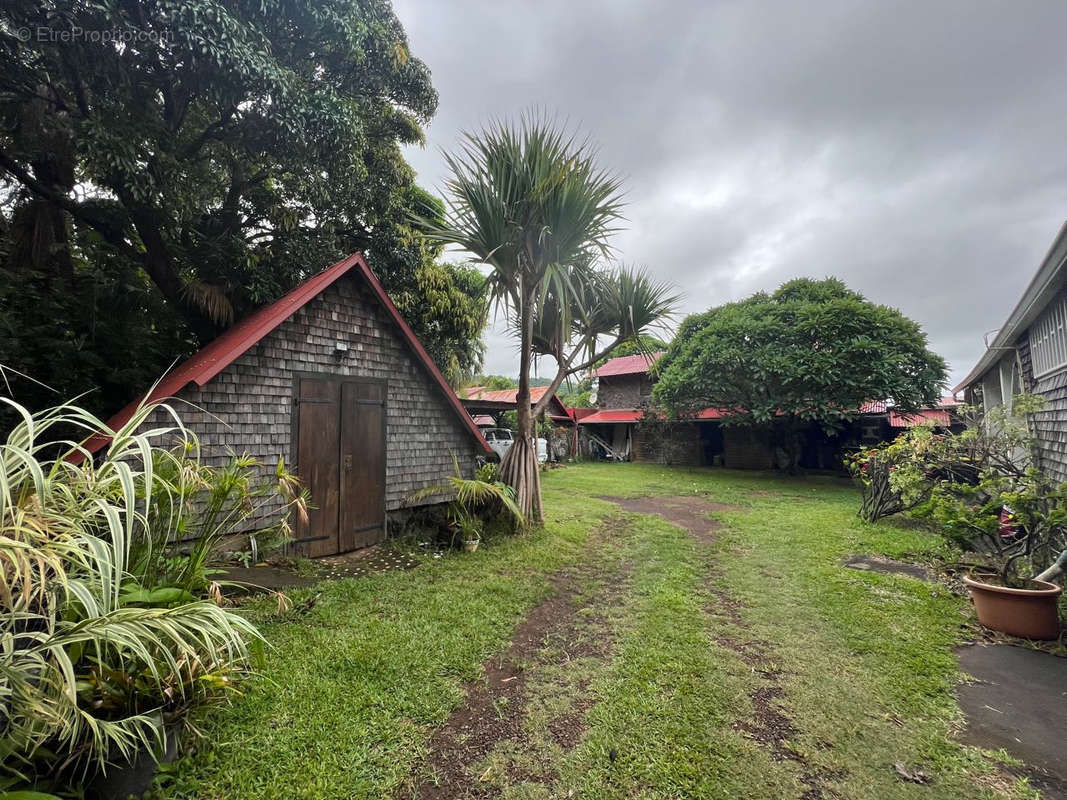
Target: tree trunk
{"x": 519, "y": 468}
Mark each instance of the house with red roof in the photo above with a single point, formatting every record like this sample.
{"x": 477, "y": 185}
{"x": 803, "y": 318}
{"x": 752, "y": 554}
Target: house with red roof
{"x": 623, "y": 394}
{"x": 488, "y": 406}
{"x": 331, "y": 379}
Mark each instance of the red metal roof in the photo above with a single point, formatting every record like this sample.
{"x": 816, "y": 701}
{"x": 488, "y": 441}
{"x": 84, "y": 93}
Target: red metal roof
{"x": 873, "y": 407}
{"x": 500, "y": 395}
{"x": 627, "y": 365}
{"x": 927, "y": 417}
{"x": 611, "y": 415}
{"x": 581, "y": 413}
{"x": 479, "y": 394}
{"x": 222, "y": 351}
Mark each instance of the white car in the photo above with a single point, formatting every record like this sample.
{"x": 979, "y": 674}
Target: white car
{"x": 501, "y": 439}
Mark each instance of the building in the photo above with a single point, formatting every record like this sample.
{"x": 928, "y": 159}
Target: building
{"x": 1029, "y": 355}
{"x": 488, "y": 406}
{"x": 624, "y": 391}
{"x": 330, "y": 378}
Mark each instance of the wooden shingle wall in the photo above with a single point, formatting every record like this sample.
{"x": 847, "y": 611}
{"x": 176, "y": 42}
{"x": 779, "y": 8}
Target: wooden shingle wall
{"x": 1050, "y": 425}
{"x": 249, "y": 406}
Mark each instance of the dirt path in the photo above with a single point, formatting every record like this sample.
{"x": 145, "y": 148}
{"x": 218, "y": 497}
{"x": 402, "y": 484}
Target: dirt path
{"x": 770, "y": 724}
{"x": 488, "y": 742}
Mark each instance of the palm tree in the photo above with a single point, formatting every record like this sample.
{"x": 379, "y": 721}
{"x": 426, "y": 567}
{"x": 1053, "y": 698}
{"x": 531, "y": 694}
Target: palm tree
{"x": 528, "y": 200}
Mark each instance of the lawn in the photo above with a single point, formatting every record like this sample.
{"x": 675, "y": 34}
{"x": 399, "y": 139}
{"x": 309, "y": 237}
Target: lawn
{"x": 615, "y": 655}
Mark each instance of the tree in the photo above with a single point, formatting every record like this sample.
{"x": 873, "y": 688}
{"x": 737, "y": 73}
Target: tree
{"x": 811, "y": 352}
{"x": 223, "y": 149}
{"x": 528, "y": 200}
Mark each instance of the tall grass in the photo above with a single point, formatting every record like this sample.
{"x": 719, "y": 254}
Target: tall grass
{"x": 91, "y": 666}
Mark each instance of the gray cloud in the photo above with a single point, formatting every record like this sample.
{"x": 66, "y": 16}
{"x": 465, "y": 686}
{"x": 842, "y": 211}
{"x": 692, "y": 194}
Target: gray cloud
{"x": 913, "y": 149}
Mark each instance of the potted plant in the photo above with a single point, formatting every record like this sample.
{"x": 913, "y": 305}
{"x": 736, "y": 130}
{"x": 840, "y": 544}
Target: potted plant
{"x": 472, "y": 500}
{"x": 1029, "y": 517}
{"x": 982, "y": 488}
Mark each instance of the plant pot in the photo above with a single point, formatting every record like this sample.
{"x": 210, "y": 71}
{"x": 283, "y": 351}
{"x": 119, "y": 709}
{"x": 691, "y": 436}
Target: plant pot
{"x": 134, "y": 777}
{"x": 1026, "y": 613}
{"x": 470, "y": 546}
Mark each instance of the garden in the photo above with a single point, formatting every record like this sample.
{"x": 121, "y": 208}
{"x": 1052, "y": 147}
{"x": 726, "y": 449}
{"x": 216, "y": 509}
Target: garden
{"x": 667, "y": 632}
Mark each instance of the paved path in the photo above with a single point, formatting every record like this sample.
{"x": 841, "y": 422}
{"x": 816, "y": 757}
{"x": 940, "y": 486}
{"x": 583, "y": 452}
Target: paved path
{"x": 1019, "y": 703}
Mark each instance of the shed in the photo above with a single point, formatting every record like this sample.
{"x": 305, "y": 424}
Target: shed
{"x": 332, "y": 379}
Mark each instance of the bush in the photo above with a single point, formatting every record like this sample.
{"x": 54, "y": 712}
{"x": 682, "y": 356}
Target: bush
{"x": 103, "y": 637}
{"x": 980, "y": 487}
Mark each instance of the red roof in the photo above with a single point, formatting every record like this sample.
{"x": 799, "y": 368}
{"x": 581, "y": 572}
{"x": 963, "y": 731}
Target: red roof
{"x": 222, "y": 351}
{"x": 627, "y": 365}
{"x": 501, "y": 395}
{"x": 873, "y": 407}
{"x": 581, "y": 413}
{"x": 612, "y": 415}
{"x": 479, "y": 394}
{"x": 927, "y": 417}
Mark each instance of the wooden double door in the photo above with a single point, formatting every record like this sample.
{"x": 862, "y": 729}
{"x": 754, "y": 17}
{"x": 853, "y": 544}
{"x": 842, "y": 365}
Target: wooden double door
{"x": 340, "y": 455}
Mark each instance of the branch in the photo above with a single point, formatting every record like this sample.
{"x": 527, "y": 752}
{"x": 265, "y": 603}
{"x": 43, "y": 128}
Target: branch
{"x": 565, "y": 369}
{"x": 76, "y": 210}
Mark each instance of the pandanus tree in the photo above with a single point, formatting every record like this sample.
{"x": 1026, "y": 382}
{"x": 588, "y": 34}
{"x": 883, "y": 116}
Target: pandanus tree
{"x": 527, "y": 200}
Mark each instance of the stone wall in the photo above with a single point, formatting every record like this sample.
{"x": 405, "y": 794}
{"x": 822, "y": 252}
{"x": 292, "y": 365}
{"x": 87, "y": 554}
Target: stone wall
{"x": 624, "y": 391}
{"x": 249, "y": 407}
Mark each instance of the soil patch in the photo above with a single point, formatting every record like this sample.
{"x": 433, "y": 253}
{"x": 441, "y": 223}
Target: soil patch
{"x": 263, "y": 579}
{"x": 275, "y": 577}
{"x": 888, "y": 566}
{"x": 561, "y": 629}
{"x": 1018, "y": 702}
{"x": 687, "y": 511}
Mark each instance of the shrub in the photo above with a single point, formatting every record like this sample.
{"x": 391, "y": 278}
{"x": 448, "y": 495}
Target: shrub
{"x": 473, "y": 500}
{"x": 980, "y": 487}
{"x": 102, "y": 638}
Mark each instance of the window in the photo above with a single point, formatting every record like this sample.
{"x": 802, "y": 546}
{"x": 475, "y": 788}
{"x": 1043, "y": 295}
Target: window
{"x": 1048, "y": 339}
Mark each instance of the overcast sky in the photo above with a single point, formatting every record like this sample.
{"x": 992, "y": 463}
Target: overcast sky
{"x": 915, "y": 150}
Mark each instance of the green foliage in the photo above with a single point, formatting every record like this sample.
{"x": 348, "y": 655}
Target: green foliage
{"x": 813, "y": 350}
{"x": 494, "y": 382}
{"x": 576, "y": 394}
{"x": 103, "y": 637}
{"x": 529, "y": 201}
{"x": 230, "y": 151}
{"x": 667, "y": 688}
{"x": 972, "y": 485}
{"x": 473, "y": 499}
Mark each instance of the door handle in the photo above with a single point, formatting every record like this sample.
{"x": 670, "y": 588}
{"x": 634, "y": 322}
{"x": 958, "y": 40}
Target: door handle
{"x": 348, "y": 461}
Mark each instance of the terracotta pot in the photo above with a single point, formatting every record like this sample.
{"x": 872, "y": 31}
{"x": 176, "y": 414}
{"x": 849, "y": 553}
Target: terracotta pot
{"x": 470, "y": 546}
{"x": 1026, "y": 613}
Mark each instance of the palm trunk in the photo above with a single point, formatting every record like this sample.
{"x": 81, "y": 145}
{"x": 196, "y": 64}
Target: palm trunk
{"x": 519, "y": 468}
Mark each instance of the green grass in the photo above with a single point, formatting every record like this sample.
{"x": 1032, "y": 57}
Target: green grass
{"x": 351, "y": 691}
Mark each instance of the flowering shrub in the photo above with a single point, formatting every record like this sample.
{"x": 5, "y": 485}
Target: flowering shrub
{"x": 980, "y": 487}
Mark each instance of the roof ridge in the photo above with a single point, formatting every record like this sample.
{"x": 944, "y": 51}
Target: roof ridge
{"x": 215, "y": 356}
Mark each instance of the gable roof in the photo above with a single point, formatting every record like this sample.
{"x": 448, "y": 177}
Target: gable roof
{"x": 478, "y": 397}
{"x": 627, "y": 365}
{"x": 1043, "y": 288}
{"x": 236, "y": 340}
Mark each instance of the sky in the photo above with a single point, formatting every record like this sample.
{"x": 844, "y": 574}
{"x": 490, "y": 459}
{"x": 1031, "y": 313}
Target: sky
{"x": 914, "y": 150}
